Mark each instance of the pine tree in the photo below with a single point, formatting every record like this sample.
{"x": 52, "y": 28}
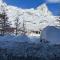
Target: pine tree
{"x": 17, "y": 24}
{"x": 4, "y": 22}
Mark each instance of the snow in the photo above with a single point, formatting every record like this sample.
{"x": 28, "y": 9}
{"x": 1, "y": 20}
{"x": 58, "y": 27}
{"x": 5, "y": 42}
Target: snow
{"x": 30, "y": 45}
{"x": 51, "y": 34}
{"x": 35, "y": 39}
{"x": 19, "y": 38}
{"x": 7, "y": 37}
{"x": 17, "y": 44}
{"x": 22, "y": 38}
{"x": 23, "y": 45}
{"x": 30, "y": 49}
{"x": 40, "y": 14}
{"x": 34, "y": 34}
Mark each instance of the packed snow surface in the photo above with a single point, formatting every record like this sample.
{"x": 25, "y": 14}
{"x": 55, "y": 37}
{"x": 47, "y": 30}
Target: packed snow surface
{"x": 52, "y": 34}
{"x": 24, "y": 45}
{"x": 19, "y": 38}
{"x": 22, "y": 38}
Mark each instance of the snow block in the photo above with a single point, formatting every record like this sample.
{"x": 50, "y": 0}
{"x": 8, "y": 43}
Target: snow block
{"x": 51, "y": 34}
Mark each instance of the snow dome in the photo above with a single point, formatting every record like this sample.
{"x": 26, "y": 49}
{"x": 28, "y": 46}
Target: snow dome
{"x": 51, "y": 34}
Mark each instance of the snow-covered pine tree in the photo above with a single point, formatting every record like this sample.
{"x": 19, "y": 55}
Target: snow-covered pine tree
{"x": 17, "y": 24}
{"x": 4, "y": 22}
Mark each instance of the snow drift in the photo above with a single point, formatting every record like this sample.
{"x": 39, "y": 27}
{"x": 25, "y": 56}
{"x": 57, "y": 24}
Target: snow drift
{"x": 51, "y": 34}
{"x": 20, "y": 38}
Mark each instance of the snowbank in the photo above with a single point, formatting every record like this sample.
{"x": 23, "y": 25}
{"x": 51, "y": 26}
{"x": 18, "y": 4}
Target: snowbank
{"x": 7, "y": 37}
{"x": 19, "y": 38}
{"x": 22, "y": 46}
{"x": 51, "y": 34}
{"x": 22, "y": 38}
{"x": 34, "y": 39}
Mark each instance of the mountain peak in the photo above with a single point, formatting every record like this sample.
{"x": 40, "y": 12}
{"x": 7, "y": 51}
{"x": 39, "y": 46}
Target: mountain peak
{"x": 43, "y": 9}
{"x": 42, "y": 5}
{"x": 40, "y": 14}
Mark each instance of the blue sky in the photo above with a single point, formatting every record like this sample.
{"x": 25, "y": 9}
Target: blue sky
{"x": 53, "y": 7}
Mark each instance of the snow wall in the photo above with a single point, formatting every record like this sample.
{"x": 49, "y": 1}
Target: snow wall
{"x": 51, "y": 34}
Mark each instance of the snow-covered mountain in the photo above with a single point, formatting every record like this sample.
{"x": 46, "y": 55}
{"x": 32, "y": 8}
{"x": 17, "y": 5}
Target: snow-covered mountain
{"x": 39, "y": 18}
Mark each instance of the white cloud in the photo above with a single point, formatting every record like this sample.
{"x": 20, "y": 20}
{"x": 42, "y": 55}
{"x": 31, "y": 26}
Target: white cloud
{"x": 53, "y": 1}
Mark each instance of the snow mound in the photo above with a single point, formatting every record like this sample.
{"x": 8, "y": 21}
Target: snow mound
{"x": 22, "y": 38}
{"x": 8, "y": 37}
{"x": 34, "y": 39}
{"x": 51, "y": 34}
{"x": 19, "y": 38}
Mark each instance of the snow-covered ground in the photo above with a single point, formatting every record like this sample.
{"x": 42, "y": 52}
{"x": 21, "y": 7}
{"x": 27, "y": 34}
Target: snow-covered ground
{"x": 24, "y": 45}
{"x": 30, "y": 45}
{"x": 20, "y": 38}
{"x": 20, "y": 48}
